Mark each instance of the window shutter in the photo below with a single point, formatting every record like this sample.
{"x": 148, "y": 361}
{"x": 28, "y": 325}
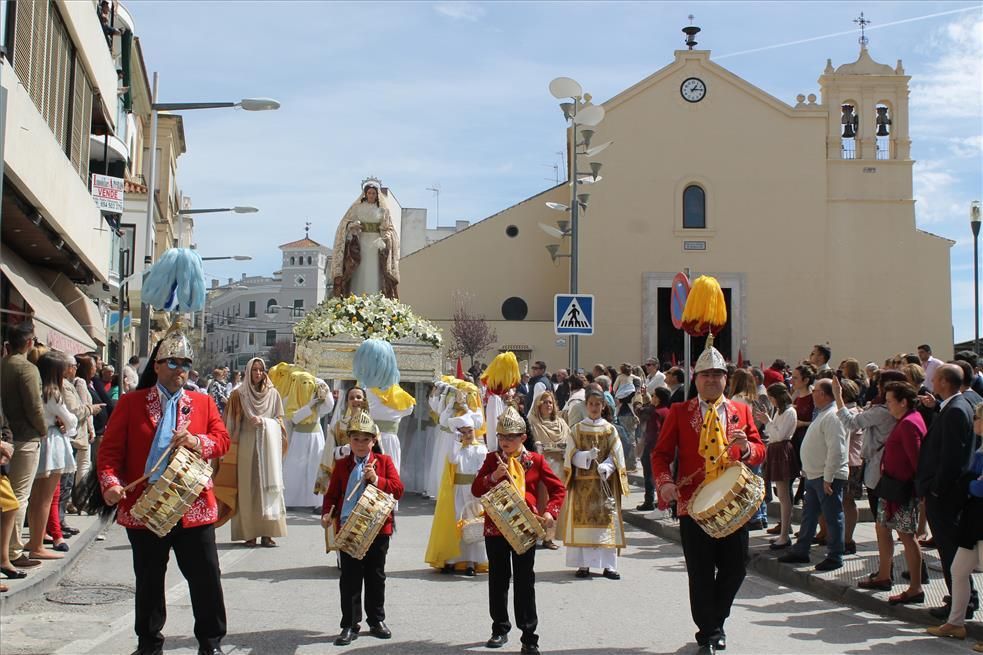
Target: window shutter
{"x": 86, "y": 128}
{"x": 23, "y": 33}
{"x": 39, "y": 48}
{"x": 75, "y": 139}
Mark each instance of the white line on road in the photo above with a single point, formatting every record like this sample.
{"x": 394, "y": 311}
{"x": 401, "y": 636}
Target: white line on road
{"x": 176, "y": 593}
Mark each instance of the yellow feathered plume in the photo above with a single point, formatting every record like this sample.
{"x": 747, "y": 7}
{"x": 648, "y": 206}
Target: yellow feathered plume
{"x": 706, "y": 309}
{"x": 502, "y": 374}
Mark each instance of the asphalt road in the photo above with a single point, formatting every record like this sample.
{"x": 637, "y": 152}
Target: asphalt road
{"x": 284, "y": 601}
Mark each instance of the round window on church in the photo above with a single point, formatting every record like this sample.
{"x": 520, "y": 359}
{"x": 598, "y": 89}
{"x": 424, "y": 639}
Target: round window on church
{"x": 512, "y": 231}
{"x": 514, "y": 309}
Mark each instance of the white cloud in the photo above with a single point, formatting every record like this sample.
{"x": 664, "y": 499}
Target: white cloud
{"x": 468, "y": 11}
{"x": 933, "y": 190}
{"x": 952, "y": 85}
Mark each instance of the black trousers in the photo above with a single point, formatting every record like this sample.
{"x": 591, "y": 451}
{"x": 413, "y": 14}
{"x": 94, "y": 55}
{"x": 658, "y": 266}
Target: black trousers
{"x": 197, "y": 558}
{"x": 503, "y": 562}
{"x": 945, "y": 530}
{"x": 647, "y": 472}
{"x": 370, "y": 571}
{"x": 716, "y": 569}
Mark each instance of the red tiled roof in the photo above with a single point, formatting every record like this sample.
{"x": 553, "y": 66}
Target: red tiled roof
{"x": 303, "y": 243}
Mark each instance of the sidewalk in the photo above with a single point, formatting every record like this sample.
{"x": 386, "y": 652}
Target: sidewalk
{"x": 42, "y": 579}
{"x": 838, "y": 586}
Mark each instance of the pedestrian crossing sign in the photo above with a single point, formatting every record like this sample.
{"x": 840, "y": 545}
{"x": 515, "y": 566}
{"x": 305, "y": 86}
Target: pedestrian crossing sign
{"x": 573, "y": 314}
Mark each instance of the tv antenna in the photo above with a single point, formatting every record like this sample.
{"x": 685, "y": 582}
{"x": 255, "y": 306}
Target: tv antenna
{"x": 436, "y": 198}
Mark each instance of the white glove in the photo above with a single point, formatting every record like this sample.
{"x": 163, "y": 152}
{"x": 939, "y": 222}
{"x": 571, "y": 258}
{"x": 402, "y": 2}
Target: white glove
{"x": 341, "y": 452}
{"x": 379, "y": 243}
{"x": 582, "y": 458}
{"x": 605, "y": 469}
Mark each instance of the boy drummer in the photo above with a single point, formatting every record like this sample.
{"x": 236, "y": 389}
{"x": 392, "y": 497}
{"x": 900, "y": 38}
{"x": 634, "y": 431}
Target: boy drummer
{"x": 365, "y": 465}
{"x": 527, "y": 470}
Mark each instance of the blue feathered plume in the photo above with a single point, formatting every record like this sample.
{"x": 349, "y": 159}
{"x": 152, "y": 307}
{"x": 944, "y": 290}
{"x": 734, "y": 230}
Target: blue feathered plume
{"x": 375, "y": 364}
{"x": 176, "y": 282}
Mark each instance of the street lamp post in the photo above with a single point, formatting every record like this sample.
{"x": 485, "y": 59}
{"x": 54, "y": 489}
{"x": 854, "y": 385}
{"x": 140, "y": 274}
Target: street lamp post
{"x": 248, "y": 104}
{"x": 581, "y": 114}
{"x": 974, "y": 222}
{"x": 181, "y": 213}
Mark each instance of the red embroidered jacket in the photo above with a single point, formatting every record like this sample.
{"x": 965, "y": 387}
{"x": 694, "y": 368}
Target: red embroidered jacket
{"x": 536, "y": 471}
{"x": 130, "y": 433}
{"x": 681, "y": 431}
{"x": 388, "y": 481}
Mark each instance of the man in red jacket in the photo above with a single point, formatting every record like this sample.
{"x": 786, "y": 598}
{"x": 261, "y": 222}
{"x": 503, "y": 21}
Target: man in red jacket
{"x": 528, "y": 469}
{"x": 715, "y": 567}
{"x": 145, "y": 422}
{"x": 365, "y": 465}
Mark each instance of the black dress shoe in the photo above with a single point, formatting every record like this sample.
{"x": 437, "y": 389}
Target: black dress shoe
{"x": 497, "y": 641}
{"x": 347, "y": 636}
{"x": 611, "y": 575}
{"x": 707, "y": 649}
{"x": 380, "y": 630}
{"x": 583, "y": 573}
{"x": 153, "y": 650}
{"x": 721, "y": 642}
{"x": 756, "y": 525}
{"x": 645, "y": 507}
{"x": 529, "y": 649}
{"x": 469, "y": 572}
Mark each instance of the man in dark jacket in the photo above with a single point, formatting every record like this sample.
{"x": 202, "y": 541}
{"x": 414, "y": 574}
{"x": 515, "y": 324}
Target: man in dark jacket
{"x": 944, "y": 457}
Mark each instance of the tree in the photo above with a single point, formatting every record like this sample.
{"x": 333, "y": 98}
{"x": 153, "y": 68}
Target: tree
{"x": 281, "y": 351}
{"x": 470, "y": 335}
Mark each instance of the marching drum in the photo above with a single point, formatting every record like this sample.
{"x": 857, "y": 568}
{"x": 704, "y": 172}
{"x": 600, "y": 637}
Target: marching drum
{"x": 364, "y": 523}
{"x": 162, "y": 504}
{"x": 508, "y": 510}
{"x": 722, "y": 506}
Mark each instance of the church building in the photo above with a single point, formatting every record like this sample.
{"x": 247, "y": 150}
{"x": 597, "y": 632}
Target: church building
{"x": 804, "y": 212}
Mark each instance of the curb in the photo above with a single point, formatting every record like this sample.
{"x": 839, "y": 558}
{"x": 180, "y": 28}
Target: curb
{"x": 36, "y": 585}
{"x": 803, "y": 580}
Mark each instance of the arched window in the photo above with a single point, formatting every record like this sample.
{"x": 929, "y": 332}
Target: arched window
{"x": 308, "y": 260}
{"x": 270, "y": 304}
{"x": 291, "y": 261}
{"x": 694, "y": 208}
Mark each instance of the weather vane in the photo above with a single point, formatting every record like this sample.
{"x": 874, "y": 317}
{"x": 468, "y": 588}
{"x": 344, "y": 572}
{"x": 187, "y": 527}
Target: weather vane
{"x": 307, "y": 229}
{"x": 863, "y": 23}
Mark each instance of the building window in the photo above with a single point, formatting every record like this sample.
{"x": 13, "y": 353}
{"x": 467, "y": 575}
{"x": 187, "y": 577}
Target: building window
{"x": 252, "y": 339}
{"x": 291, "y": 261}
{"x": 271, "y": 306}
{"x": 309, "y": 260}
{"x": 298, "y": 307}
{"x": 271, "y": 337}
{"x": 514, "y": 309}
{"x": 252, "y": 309}
{"x": 694, "y": 208}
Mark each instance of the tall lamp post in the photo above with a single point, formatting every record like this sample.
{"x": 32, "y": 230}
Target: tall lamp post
{"x": 248, "y": 104}
{"x": 582, "y": 116}
{"x": 974, "y": 222}
{"x": 181, "y": 213}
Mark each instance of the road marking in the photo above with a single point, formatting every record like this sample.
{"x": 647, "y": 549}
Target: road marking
{"x": 176, "y": 593}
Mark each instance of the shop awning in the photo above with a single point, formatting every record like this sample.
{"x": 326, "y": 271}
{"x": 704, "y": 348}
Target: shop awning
{"x": 81, "y": 307}
{"x": 54, "y": 325}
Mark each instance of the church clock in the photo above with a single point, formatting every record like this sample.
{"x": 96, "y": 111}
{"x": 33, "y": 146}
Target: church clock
{"x": 693, "y": 89}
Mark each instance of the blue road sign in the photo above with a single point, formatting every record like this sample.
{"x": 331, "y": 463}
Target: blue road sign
{"x": 573, "y": 314}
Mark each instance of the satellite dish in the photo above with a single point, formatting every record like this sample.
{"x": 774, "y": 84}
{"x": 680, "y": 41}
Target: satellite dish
{"x": 597, "y": 149}
{"x": 552, "y": 231}
{"x": 564, "y": 87}
{"x": 557, "y": 206}
{"x": 590, "y": 116}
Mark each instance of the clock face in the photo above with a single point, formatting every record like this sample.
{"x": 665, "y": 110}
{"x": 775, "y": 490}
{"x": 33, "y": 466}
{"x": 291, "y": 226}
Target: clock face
{"x": 693, "y": 89}
{"x": 299, "y": 280}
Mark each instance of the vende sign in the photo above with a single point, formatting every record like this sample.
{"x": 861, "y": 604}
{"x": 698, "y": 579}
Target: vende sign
{"x": 107, "y": 192}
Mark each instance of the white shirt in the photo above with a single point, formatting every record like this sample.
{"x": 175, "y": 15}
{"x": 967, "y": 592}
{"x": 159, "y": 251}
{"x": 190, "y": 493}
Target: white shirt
{"x": 654, "y": 381}
{"x": 721, "y": 410}
{"x": 930, "y": 366}
{"x": 946, "y": 401}
{"x": 824, "y": 451}
{"x": 782, "y": 427}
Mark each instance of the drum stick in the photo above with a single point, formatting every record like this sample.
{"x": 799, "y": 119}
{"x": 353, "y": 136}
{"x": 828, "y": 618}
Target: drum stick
{"x": 359, "y": 485}
{"x": 147, "y": 475}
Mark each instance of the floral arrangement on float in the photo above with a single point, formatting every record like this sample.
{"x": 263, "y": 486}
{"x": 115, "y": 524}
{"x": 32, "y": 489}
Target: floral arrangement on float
{"x": 367, "y": 317}
{"x": 331, "y": 333}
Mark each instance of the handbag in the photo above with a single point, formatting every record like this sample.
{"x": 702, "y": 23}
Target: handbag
{"x": 894, "y": 490}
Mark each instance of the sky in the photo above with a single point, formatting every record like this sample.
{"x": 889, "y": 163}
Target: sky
{"x": 454, "y": 95}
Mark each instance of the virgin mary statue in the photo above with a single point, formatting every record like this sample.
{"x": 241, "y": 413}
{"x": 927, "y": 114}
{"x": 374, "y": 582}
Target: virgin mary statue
{"x": 366, "y": 247}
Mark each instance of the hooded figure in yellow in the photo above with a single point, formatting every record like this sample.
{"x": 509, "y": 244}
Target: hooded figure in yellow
{"x": 309, "y": 399}
{"x": 447, "y": 549}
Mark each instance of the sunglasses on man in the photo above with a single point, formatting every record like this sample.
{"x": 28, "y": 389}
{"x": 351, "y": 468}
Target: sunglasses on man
{"x": 174, "y": 364}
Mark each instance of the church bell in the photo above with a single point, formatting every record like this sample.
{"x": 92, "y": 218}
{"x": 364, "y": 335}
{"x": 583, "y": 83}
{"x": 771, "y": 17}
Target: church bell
{"x": 882, "y": 121}
{"x": 849, "y": 121}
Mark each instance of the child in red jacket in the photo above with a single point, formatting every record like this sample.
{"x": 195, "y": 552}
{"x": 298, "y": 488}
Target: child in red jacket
{"x": 365, "y": 465}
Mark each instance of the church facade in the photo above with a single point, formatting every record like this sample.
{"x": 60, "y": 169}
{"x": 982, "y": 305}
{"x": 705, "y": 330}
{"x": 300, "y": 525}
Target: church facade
{"x": 804, "y": 212}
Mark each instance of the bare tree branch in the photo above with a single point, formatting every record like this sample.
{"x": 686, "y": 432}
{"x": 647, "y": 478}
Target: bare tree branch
{"x": 470, "y": 334}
